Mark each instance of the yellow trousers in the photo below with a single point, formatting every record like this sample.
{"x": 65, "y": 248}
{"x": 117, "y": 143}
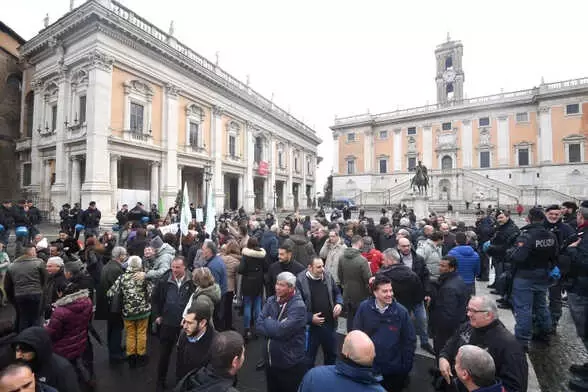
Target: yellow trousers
{"x": 136, "y": 336}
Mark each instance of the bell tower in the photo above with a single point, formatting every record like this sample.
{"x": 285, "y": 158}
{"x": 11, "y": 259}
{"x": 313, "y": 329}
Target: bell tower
{"x": 449, "y": 75}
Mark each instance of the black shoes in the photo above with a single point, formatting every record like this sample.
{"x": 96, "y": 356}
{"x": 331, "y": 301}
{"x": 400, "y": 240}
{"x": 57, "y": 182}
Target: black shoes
{"x": 132, "y": 359}
{"x": 492, "y": 286}
{"x": 578, "y": 385}
{"x": 428, "y": 348}
{"x": 494, "y": 292}
{"x": 580, "y": 370}
{"x": 142, "y": 360}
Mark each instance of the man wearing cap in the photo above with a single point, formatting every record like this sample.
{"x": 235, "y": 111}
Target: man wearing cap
{"x": 6, "y": 220}
{"x": 564, "y": 234}
{"x": 568, "y": 210}
{"x": 533, "y": 257}
{"x": 91, "y": 220}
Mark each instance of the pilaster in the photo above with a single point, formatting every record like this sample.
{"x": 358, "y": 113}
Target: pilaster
{"x": 217, "y": 175}
{"x": 466, "y": 144}
{"x": 397, "y": 147}
{"x": 336, "y": 163}
{"x": 58, "y": 190}
{"x": 249, "y": 156}
{"x": 545, "y": 135}
{"x": 169, "y": 174}
{"x": 503, "y": 141}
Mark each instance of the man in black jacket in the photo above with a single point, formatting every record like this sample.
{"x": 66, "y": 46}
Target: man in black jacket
{"x": 6, "y": 220}
{"x": 286, "y": 263}
{"x": 411, "y": 259}
{"x": 449, "y": 302}
{"x": 91, "y": 220}
{"x": 35, "y": 219}
{"x": 485, "y": 330}
{"x": 170, "y": 297}
{"x": 195, "y": 341}
{"x": 122, "y": 216}
{"x": 33, "y": 346}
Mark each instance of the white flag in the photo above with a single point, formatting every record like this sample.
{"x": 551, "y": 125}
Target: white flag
{"x": 186, "y": 214}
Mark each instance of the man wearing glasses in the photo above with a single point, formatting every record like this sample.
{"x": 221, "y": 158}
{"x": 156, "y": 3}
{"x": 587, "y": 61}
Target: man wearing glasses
{"x": 485, "y": 330}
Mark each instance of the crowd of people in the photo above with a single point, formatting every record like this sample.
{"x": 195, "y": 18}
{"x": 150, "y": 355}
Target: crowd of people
{"x": 395, "y": 280}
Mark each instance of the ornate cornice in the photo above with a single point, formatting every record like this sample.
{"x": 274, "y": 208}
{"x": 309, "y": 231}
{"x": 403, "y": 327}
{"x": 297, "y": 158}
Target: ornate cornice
{"x": 100, "y": 60}
{"x": 217, "y": 110}
{"x": 172, "y": 91}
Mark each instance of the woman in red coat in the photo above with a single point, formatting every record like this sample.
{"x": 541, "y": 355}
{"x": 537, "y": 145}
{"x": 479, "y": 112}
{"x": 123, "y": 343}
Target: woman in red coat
{"x": 68, "y": 326}
{"x": 372, "y": 255}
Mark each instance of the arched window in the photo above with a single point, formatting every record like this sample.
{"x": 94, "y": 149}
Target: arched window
{"x": 446, "y": 163}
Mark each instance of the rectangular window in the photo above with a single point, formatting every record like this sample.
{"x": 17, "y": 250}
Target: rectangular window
{"x": 573, "y": 108}
{"x": 308, "y": 167}
{"x": 137, "y": 117}
{"x": 484, "y": 159}
{"x": 351, "y": 166}
{"x": 232, "y": 146}
{"x": 383, "y": 166}
{"x": 26, "y": 174}
{"x": 523, "y": 157}
{"x": 411, "y": 163}
{"x": 411, "y": 131}
{"x": 383, "y": 135}
{"x": 53, "y": 117}
{"x": 194, "y": 135}
{"x": 258, "y": 150}
{"x": 82, "y": 118}
{"x": 522, "y": 117}
{"x": 350, "y": 137}
{"x": 574, "y": 154}
{"x": 296, "y": 165}
{"x": 280, "y": 159}
{"x": 446, "y": 126}
{"x": 484, "y": 121}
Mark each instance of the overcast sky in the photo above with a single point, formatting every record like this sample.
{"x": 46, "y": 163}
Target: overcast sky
{"x": 323, "y": 58}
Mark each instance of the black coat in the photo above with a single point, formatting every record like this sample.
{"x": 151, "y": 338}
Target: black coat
{"x": 110, "y": 273}
{"x": 448, "y": 306}
{"x": 192, "y": 356}
{"x": 168, "y": 302}
{"x": 276, "y": 268}
{"x": 504, "y": 238}
{"x": 6, "y": 217}
{"x": 507, "y": 352}
{"x": 420, "y": 268}
{"x": 384, "y": 242}
{"x": 408, "y": 289}
{"x": 52, "y": 369}
{"x": 253, "y": 267}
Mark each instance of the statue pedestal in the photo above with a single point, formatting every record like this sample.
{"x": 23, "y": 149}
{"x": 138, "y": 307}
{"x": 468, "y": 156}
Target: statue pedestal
{"x": 421, "y": 206}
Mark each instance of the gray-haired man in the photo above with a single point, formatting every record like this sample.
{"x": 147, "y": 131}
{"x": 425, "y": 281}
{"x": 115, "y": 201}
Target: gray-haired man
{"x": 283, "y": 323}
{"x": 475, "y": 369}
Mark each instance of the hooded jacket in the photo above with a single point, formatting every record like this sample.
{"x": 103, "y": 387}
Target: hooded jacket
{"x": 374, "y": 258}
{"x": 206, "y": 380}
{"x": 468, "y": 262}
{"x": 392, "y": 333}
{"x": 232, "y": 261}
{"x": 135, "y": 294}
{"x": 354, "y": 275}
{"x": 408, "y": 289}
{"x": 284, "y": 327}
{"x": 68, "y": 326}
{"x": 331, "y": 253}
{"x": 50, "y": 368}
{"x": 210, "y": 296}
{"x": 162, "y": 262}
{"x": 302, "y": 251}
{"x": 25, "y": 276}
{"x": 345, "y": 376}
{"x": 252, "y": 267}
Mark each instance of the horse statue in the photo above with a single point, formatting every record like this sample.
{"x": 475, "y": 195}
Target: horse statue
{"x": 420, "y": 181}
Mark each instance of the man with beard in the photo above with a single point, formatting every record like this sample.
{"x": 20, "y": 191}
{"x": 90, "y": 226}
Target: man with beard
{"x": 195, "y": 341}
{"x": 504, "y": 238}
{"x": 568, "y": 210}
{"x": 286, "y": 263}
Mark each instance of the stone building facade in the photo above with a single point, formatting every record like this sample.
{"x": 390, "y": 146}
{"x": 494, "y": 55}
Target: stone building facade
{"x": 121, "y": 111}
{"x": 525, "y": 146}
{"x": 10, "y": 105}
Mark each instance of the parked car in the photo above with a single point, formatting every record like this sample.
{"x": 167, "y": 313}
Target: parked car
{"x": 342, "y": 202}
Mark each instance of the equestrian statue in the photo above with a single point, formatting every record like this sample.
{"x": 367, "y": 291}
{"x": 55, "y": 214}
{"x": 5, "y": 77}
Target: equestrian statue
{"x": 420, "y": 181}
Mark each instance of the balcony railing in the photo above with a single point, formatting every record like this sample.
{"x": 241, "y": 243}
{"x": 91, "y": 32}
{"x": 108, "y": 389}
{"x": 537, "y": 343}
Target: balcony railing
{"x": 76, "y": 131}
{"x": 137, "y": 136}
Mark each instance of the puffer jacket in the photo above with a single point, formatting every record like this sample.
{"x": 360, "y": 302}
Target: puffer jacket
{"x": 68, "y": 326}
{"x": 232, "y": 261}
{"x": 468, "y": 262}
{"x": 429, "y": 251}
{"x": 331, "y": 253}
{"x": 252, "y": 267}
{"x": 303, "y": 251}
{"x": 162, "y": 262}
{"x": 210, "y": 296}
{"x": 374, "y": 257}
{"x": 136, "y": 295}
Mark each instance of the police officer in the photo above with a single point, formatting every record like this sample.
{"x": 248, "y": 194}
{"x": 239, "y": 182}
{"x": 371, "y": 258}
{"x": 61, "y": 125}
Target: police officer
{"x": 533, "y": 256}
{"x": 564, "y": 233}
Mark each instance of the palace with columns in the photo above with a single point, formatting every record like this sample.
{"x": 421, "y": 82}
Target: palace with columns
{"x": 117, "y": 111}
{"x": 525, "y": 146}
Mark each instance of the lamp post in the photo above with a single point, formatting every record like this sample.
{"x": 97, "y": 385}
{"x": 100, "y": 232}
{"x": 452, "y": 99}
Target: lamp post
{"x": 275, "y": 198}
{"x": 535, "y": 195}
{"x": 207, "y": 178}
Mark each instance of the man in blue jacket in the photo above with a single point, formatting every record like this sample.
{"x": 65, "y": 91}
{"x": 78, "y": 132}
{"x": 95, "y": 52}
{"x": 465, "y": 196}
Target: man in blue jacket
{"x": 324, "y": 303}
{"x": 353, "y": 371}
{"x": 283, "y": 322}
{"x": 468, "y": 262}
{"x": 388, "y": 324}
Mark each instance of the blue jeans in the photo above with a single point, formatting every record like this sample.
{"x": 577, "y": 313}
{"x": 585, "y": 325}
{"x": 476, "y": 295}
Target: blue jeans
{"x": 529, "y": 297}
{"x": 323, "y": 336}
{"x": 579, "y": 309}
{"x": 420, "y": 321}
{"x": 247, "y": 302}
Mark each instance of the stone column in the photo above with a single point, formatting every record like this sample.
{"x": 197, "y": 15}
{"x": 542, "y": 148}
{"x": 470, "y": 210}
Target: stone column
{"x": 397, "y": 150}
{"x": 75, "y": 179}
{"x": 368, "y": 151}
{"x": 336, "y": 163}
{"x": 217, "y": 183}
{"x": 289, "y": 202}
{"x": 35, "y": 186}
{"x": 97, "y": 183}
{"x": 428, "y": 146}
{"x": 114, "y": 159}
{"x": 241, "y": 192}
{"x": 272, "y": 176}
{"x": 47, "y": 176}
{"x": 180, "y": 184}
{"x": 171, "y": 181}
{"x": 545, "y": 150}
{"x": 503, "y": 141}
{"x": 58, "y": 190}
{"x": 466, "y": 144}
{"x": 154, "y": 193}
{"x": 249, "y": 155}
{"x": 303, "y": 203}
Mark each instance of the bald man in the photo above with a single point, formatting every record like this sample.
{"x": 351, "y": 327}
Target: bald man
{"x": 352, "y": 372}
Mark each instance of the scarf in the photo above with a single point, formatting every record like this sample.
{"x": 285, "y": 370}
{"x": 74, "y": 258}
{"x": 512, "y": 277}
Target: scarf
{"x": 311, "y": 276}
